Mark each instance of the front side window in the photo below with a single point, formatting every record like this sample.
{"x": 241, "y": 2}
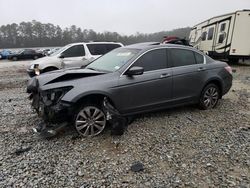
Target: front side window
{"x": 74, "y": 51}
{"x": 101, "y": 49}
{"x": 153, "y": 60}
{"x": 210, "y": 33}
{"x": 113, "y": 60}
{"x": 181, "y": 57}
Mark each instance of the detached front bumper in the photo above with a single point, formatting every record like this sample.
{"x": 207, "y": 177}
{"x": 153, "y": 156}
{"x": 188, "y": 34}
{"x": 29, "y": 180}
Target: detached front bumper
{"x": 58, "y": 113}
{"x": 52, "y": 112}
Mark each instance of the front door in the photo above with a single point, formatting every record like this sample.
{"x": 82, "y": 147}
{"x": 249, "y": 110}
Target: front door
{"x": 149, "y": 91}
{"x": 73, "y": 56}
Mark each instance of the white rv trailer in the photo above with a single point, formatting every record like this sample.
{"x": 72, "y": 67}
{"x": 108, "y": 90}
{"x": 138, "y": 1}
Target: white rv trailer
{"x": 224, "y": 37}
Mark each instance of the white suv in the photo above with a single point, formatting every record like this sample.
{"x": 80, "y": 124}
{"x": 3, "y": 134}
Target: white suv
{"x": 72, "y": 55}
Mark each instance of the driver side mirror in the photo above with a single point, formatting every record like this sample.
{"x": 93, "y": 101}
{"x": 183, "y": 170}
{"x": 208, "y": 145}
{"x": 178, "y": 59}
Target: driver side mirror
{"x": 135, "y": 71}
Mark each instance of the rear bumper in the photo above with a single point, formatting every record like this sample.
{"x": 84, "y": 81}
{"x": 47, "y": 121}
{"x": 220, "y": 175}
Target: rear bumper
{"x": 227, "y": 84}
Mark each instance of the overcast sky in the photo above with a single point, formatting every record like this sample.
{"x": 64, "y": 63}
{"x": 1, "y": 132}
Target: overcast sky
{"x": 122, "y": 16}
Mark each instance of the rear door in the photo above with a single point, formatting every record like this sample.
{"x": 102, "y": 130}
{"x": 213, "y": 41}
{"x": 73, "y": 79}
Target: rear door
{"x": 189, "y": 73}
{"x": 152, "y": 89}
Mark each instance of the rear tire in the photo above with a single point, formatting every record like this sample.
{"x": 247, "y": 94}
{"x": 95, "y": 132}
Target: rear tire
{"x": 35, "y": 57}
{"x": 209, "y": 97}
{"x": 14, "y": 58}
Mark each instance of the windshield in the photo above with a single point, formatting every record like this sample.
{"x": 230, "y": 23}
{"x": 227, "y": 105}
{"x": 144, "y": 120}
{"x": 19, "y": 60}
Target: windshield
{"x": 113, "y": 60}
{"x": 60, "y": 50}
{"x": 20, "y": 51}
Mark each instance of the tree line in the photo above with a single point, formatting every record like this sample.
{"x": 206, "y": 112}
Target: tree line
{"x": 37, "y": 34}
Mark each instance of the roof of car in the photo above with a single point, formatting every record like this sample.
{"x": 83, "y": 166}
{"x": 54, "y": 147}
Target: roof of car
{"x": 152, "y": 45}
{"x": 94, "y": 43}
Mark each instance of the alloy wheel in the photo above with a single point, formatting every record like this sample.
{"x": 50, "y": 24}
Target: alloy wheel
{"x": 210, "y": 98}
{"x": 90, "y": 121}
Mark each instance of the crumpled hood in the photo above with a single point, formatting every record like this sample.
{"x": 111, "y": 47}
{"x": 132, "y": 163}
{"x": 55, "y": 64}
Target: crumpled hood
{"x": 65, "y": 75}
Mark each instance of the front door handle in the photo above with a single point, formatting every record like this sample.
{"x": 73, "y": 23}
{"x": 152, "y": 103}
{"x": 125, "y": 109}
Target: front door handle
{"x": 201, "y": 69}
{"x": 165, "y": 75}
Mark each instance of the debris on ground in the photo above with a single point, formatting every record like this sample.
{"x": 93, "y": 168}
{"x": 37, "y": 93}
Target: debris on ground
{"x": 137, "y": 167}
{"x": 208, "y": 149}
{"x": 22, "y": 150}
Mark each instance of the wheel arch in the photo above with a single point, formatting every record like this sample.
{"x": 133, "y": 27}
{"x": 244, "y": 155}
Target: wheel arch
{"x": 50, "y": 67}
{"x": 217, "y": 82}
{"x": 95, "y": 97}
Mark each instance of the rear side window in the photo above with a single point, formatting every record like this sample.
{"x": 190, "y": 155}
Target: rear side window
{"x": 74, "y": 51}
{"x": 199, "y": 58}
{"x": 101, "y": 49}
{"x": 181, "y": 57}
{"x": 112, "y": 46}
{"x": 153, "y": 60}
{"x": 97, "y": 49}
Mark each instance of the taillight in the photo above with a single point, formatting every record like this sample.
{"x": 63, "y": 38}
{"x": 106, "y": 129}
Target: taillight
{"x": 229, "y": 69}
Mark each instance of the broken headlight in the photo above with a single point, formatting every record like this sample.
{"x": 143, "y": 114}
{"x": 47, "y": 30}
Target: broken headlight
{"x": 53, "y": 96}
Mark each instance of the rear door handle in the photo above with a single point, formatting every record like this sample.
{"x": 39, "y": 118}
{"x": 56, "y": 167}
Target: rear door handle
{"x": 201, "y": 69}
{"x": 165, "y": 75}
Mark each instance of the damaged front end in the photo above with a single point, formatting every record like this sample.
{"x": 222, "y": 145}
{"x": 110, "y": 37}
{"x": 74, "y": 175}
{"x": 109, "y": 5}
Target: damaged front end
{"x": 49, "y": 107}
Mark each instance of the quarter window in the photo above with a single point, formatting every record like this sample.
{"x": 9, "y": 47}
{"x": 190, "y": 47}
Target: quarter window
{"x": 74, "y": 51}
{"x": 153, "y": 60}
{"x": 181, "y": 57}
{"x": 210, "y": 33}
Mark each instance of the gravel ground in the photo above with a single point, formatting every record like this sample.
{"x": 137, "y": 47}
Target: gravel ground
{"x": 181, "y": 147}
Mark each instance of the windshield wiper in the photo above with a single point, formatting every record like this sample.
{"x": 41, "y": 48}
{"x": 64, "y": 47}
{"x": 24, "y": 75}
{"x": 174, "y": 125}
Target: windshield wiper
{"x": 90, "y": 68}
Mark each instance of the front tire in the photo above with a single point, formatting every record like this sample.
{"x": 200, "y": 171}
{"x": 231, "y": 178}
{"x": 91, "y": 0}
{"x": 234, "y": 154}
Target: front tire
{"x": 90, "y": 120}
{"x": 209, "y": 97}
{"x": 35, "y": 57}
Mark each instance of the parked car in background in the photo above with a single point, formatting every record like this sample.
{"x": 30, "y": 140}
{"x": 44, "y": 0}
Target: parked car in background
{"x": 51, "y": 51}
{"x": 25, "y": 54}
{"x": 4, "y": 54}
{"x": 72, "y": 55}
{"x": 134, "y": 79}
